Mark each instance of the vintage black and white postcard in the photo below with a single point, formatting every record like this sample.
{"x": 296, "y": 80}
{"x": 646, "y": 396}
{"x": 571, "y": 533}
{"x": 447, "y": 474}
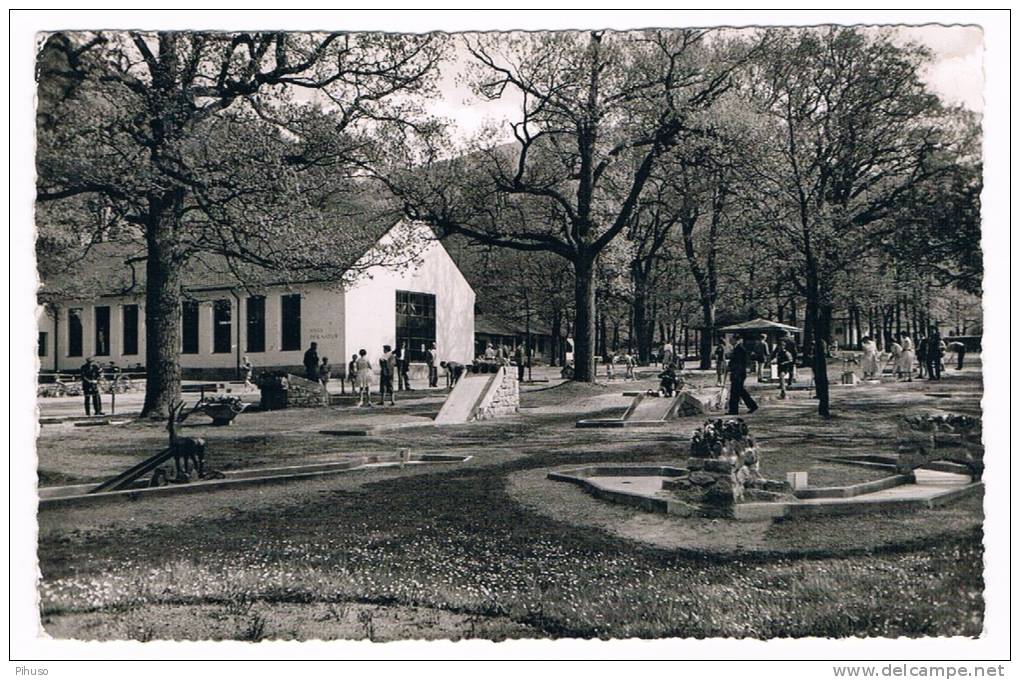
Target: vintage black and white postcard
{"x": 374, "y": 328}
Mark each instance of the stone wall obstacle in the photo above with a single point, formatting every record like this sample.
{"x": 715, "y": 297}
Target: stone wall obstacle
{"x": 501, "y": 399}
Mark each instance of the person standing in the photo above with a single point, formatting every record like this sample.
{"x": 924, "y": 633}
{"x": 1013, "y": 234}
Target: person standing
{"x": 90, "y": 375}
{"x": 403, "y": 368}
{"x": 895, "y": 354}
{"x": 785, "y": 358}
{"x": 629, "y": 362}
{"x": 247, "y": 370}
{"x": 922, "y": 356}
{"x": 609, "y": 358}
{"x": 869, "y": 360}
{"x": 430, "y": 361}
{"x": 667, "y": 354}
{"x": 740, "y": 360}
{"x": 906, "y": 365}
{"x": 352, "y": 373}
{"x": 311, "y": 362}
{"x": 324, "y": 374}
{"x": 363, "y": 371}
{"x": 519, "y": 359}
{"x": 935, "y": 349}
{"x": 720, "y": 362}
{"x": 387, "y": 367}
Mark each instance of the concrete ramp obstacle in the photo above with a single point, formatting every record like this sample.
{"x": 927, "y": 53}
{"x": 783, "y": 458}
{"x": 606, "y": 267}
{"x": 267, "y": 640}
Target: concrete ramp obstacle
{"x": 647, "y": 407}
{"x": 480, "y": 396}
{"x": 650, "y": 410}
{"x": 465, "y": 397}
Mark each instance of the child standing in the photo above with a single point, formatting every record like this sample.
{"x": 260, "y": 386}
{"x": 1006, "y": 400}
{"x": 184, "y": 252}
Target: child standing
{"x": 352, "y": 373}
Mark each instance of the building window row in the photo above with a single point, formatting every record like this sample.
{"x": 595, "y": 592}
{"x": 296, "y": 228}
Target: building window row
{"x": 290, "y": 327}
{"x": 101, "y": 328}
{"x": 223, "y": 323}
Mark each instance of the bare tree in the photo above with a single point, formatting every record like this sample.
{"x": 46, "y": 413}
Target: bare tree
{"x": 598, "y": 111}
{"x": 162, "y": 127}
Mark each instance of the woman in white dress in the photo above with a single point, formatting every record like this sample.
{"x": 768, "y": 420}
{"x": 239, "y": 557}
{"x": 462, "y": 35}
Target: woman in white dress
{"x": 906, "y": 364}
{"x": 869, "y": 362}
{"x": 364, "y": 376}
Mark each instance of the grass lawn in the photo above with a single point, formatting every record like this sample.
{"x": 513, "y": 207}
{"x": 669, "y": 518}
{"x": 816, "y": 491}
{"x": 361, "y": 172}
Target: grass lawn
{"x": 489, "y": 548}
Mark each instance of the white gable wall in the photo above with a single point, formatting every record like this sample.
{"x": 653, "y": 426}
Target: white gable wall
{"x": 371, "y": 305}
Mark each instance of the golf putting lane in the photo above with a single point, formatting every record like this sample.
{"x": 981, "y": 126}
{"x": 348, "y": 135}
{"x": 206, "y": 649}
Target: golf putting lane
{"x": 650, "y": 408}
{"x": 461, "y": 404}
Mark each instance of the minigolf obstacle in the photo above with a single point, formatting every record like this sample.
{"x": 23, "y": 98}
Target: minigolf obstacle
{"x": 481, "y": 396}
{"x": 649, "y": 409}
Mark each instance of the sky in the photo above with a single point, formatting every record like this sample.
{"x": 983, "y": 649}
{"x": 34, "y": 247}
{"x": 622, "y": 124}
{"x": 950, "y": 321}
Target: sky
{"x": 955, "y": 74}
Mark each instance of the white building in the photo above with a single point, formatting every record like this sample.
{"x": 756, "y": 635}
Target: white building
{"x": 224, "y": 320}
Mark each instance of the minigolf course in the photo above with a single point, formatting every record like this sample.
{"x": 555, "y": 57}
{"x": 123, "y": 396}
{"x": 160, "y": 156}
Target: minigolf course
{"x": 480, "y": 396}
{"x": 650, "y": 410}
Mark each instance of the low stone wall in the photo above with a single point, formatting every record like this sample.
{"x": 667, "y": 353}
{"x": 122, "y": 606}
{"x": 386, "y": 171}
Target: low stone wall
{"x": 503, "y": 398}
{"x": 299, "y": 393}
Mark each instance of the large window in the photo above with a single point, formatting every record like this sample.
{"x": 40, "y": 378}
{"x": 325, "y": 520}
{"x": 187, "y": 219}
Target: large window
{"x": 103, "y": 331}
{"x": 129, "y": 330}
{"x": 221, "y": 327}
{"x": 44, "y": 343}
{"x": 290, "y": 322}
{"x": 416, "y": 322}
{"x": 189, "y": 327}
{"x": 74, "y": 332}
{"x": 256, "y": 315}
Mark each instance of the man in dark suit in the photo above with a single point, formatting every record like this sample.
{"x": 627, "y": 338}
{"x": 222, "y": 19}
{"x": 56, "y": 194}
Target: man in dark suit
{"x": 90, "y": 375}
{"x": 403, "y": 367}
{"x": 312, "y": 362}
{"x": 740, "y": 359}
{"x": 934, "y": 355}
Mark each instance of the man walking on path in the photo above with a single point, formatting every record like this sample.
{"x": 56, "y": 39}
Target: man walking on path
{"x": 312, "y": 362}
{"x": 740, "y": 359}
{"x": 387, "y": 367}
{"x": 90, "y": 374}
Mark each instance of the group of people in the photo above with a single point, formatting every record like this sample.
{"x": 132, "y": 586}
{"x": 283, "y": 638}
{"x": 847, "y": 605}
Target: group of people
{"x": 501, "y": 355}
{"x": 628, "y": 360}
{"x": 361, "y": 372}
{"x": 929, "y": 352}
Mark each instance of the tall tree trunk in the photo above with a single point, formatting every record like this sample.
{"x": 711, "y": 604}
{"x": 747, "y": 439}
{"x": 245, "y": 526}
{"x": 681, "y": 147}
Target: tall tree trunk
{"x": 708, "y": 327}
{"x": 643, "y": 327}
{"x": 162, "y": 305}
{"x": 815, "y": 322}
{"x": 556, "y": 345}
{"x": 584, "y": 318}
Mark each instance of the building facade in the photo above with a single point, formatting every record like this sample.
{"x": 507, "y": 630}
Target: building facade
{"x": 427, "y": 301}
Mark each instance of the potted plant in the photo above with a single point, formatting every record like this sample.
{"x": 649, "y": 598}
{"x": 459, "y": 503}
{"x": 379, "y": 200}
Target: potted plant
{"x": 222, "y": 408}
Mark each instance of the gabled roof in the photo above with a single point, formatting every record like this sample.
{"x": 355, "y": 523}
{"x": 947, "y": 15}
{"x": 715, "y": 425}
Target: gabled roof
{"x": 491, "y": 325}
{"x": 116, "y": 268}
